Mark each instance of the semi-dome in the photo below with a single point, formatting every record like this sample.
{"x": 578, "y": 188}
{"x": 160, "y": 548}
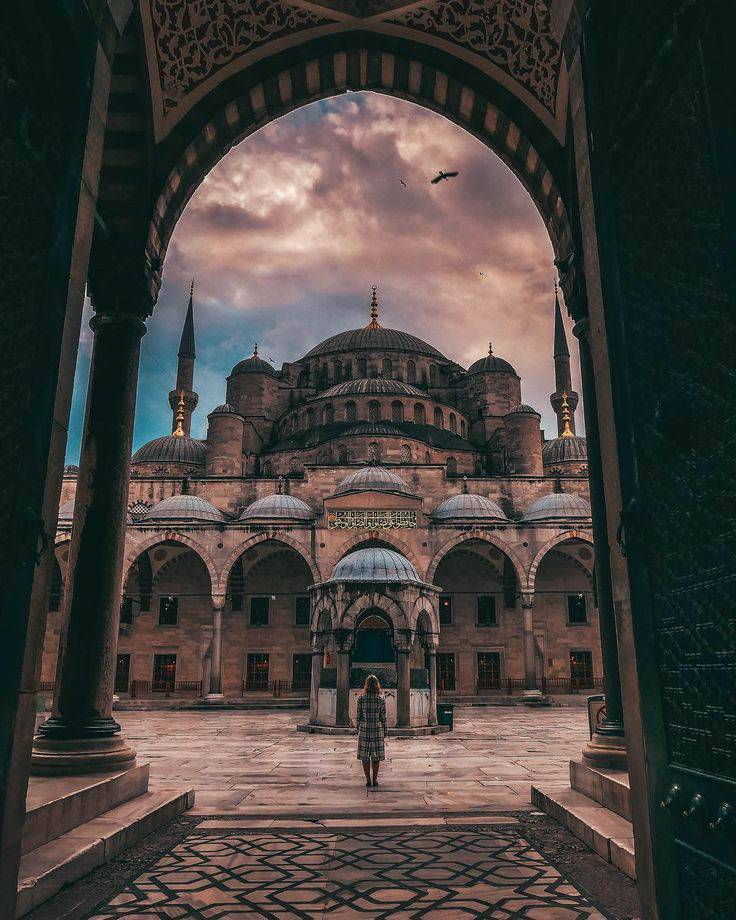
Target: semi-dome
{"x": 224, "y": 409}
{"x": 373, "y": 479}
{"x": 254, "y": 365}
{"x": 172, "y": 449}
{"x": 71, "y": 469}
{"x": 278, "y": 508}
{"x": 66, "y": 512}
{"x": 523, "y": 409}
{"x": 469, "y": 507}
{"x": 183, "y": 508}
{"x": 373, "y": 339}
{"x": 491, "y": 364}
{"x": 558, "y": 506}
{"x": 374, "y": 386}
{"x": 374, "y": 564}
{"x": 570, "y": 447}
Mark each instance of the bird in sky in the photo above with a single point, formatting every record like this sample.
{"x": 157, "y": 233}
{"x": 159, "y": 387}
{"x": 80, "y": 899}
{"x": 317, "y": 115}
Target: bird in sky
{"x": 444, "y": 175}
{"x": 402, "y": 182}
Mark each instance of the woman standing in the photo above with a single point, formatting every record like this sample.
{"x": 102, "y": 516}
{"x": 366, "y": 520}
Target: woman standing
{"x": 371, "y": 728}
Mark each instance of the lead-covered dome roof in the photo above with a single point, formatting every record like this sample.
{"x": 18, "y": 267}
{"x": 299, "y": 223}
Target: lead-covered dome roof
{"x": 442, "y": 438}
{"x": 373, "y": 479}
{"x": 373, "y": 339}
{"x": 523, "y": 409}
{"x": 375, "y": 564}
{"x": 564, "y": 448}
{"x": 558, "y": 506}
{"x": 278, "y": 508}
{"x": 71, "y": 469}
{"x": 172, "y": 449}
{"x": 254, "y": 365}
{"x": 468, "y": 507}
{"x": 183, "y": 508}
{"x": 374, "y": 386}
{"x": 491, "y": 364}
{"x": 224, "y": 409}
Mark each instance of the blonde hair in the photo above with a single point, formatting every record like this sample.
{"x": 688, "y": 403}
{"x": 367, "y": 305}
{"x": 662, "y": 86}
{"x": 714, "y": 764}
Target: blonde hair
{"x": 372, "y": 684}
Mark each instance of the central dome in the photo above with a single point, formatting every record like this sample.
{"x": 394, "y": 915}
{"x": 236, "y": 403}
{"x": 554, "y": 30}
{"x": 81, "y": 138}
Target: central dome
{"x": 374, "y": 564}
{"x": 373, "y": 386}
{"x": 373, "y": 339}
{"x": 373, "y": 479}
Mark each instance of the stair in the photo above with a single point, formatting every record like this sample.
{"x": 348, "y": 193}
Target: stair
{"x": 74, "y": 824}
{"x": 596, "y": 808}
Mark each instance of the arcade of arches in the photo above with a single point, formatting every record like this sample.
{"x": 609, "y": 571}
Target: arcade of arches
{"x": 108, "y": 127}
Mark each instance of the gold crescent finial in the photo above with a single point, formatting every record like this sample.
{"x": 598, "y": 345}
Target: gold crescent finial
{"x": 191, "y": 288}
{"x": 374, "y": 324}
{"x": 179, "y": 430}
{"x": 566, "y": 431}
{"x": 490, "y": 349}
{"x": 255, "y": 350}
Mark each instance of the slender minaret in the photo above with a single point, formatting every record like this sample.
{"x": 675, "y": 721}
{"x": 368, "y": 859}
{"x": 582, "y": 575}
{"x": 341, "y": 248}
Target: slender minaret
{"x": 183, "y": 400}
{"x": 564, "y": 400}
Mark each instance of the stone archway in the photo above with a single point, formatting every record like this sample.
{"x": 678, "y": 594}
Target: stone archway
{"x": 375, "y": 538}
{"x": 582, "y": 536}
{"x": 134, "y": 550}
{"x": 267, "y": 536}
{"x": 484, "y": 537}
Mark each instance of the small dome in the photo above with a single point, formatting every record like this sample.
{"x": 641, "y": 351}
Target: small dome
{"x": 523, "y": 409}
{"x": 373, "y": 479}
{"x": 183, "y": 508}
{"x": 491, "y": 365}
{"x": 254, "y": 365}
{"x": 558, "y": 506}
{"x": 278, "y": 508}
{"x": 71, "y": 469}
{"x": 466, "y": 506}
{"x": 172, "y": 449}
{"x": 66, "y": 512}
{"x": 374, "y": 564}
{"x": 224, "y": 409}
{"x": 374, "y": 386}
{"x": 568, "y": 448}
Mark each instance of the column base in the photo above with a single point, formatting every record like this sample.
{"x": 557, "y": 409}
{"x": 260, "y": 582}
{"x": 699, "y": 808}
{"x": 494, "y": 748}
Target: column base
{"x": 214, "y": 698}
{"x": 74, "y": 756}
{"x": 606, "y": 750}
{"x": 532, "y": 694}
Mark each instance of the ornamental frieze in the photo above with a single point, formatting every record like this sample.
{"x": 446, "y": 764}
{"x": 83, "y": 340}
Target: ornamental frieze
{"x": 370, "y": 519}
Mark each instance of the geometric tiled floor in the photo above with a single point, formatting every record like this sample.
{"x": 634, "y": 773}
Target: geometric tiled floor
{"x": 427, "y": 873}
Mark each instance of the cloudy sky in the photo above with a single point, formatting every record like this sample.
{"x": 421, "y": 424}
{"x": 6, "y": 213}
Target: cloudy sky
{"x": 287, "y": 234}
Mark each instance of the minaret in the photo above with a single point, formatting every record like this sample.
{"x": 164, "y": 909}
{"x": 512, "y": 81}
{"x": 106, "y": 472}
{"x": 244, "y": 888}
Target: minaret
{"x": 183, "y": 400}
{"x": 564, "y": 400}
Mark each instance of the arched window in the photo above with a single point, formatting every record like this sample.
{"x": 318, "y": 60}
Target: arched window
{"x": 411, "y": 372}
{"x": 439, "y": 418}
{"x": 337, "y": 371}
{"x": 268, "y": 468}
{"x": 451, "y": 466}
{"x": 405, "y": 453}
{"x": 420, "y": 417}
{"x": 348, "y": 370}
{"x": 329, "y": 414}
{"x": 304, "y": 379}
{"x": 374, "y": 452}
{"x": 462, "y": 427}
{"x": 387, "y": 368}
{"x": 309, "y": 418}
{"x": 397, "y": 411}
{"x": 56, "y": 587}
{"x": 427, "y": 457}
{"x": 342, "y": 454}
{"x": 374, "y": 411}
{"x": 362, "y": 368}
{"x": 453, "y": 423}
{"x": 325, "y": 373}
{"x": 295, "y": 465}
{"x": 432, "y": 375}
{"x": 351, "y": 412}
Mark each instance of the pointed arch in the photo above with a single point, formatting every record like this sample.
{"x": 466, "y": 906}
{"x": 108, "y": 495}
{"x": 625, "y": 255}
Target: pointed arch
{"x": 371, "y": 537}
{"x": 392, "y": 608}
{"x": 134, "y": 550}
{"x": 484, "y": 537}
{"x": 274, "y": 536}
{"x": 581, "y": 535}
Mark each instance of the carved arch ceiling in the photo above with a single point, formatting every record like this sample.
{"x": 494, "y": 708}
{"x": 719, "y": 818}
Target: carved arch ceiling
{"x": 193, "y": 45}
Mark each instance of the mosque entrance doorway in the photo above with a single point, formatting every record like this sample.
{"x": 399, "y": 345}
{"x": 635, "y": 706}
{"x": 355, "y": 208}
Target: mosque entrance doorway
{"x": 374, "y": 640}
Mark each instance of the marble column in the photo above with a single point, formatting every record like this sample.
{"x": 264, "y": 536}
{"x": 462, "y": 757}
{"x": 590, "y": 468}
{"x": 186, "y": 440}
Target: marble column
{"x": 403, "y": 706}
{"x": 318, "y": 657}
{"x": 215, "y": 694}
{"x": 342, "y": 712}
{"x": 530, "y": 664}
{"x": 607, "y": 747}
{"x": 432, "y": 668}
{"x": 81, "y": 735}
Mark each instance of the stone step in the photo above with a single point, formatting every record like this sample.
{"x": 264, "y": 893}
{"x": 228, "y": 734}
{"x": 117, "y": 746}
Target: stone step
{"x": 610, "y": 788}
{"x": 56, "y": 805}
{"x": 46, "y": 869}
{"x": 610, "y": 835}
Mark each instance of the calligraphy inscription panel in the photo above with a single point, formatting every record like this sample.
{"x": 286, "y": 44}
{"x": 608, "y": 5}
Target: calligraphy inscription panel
{"x": 367, "y": 519}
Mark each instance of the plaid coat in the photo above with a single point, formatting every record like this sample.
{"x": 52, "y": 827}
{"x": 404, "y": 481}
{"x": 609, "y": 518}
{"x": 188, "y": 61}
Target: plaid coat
{"x": 371, "y": 721}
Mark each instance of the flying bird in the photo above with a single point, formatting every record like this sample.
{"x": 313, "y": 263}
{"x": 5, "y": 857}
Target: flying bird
{"x": 402, "y": 182}
{"x": 444, "y": 175}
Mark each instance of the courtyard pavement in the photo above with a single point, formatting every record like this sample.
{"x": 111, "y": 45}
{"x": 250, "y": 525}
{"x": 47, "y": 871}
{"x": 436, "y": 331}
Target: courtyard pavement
{"x": 255, "y": 764}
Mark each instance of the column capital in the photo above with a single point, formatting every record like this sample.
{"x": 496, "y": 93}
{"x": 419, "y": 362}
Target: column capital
{"x": 403, "y": 639}
{"x": 219, "y": 601}
{"x": 344, "y": 639}
{"x": 122, "y": 277}
{"x": 527, "y": 599}
{"x": 581, "y": 329}
{"x": 319, "y": 642}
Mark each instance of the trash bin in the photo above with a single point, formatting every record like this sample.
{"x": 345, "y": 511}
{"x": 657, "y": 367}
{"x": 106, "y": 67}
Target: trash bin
{"x": 445, "y": 714}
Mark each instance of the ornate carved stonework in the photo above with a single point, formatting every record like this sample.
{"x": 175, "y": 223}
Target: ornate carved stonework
{"x": 515, "y": 35}
{"x": 362, "y": 8}
{"x": 194, "y": 39}
{"x": 370, "y": 519}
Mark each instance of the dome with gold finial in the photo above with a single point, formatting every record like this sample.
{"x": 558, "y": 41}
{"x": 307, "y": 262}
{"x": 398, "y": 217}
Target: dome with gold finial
{"x": 254, "y": 365}
{"x": 491, "y": 364}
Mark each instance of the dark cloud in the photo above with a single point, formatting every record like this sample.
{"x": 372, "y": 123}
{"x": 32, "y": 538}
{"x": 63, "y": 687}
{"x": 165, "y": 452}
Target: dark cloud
{"x": 290, "y": 230}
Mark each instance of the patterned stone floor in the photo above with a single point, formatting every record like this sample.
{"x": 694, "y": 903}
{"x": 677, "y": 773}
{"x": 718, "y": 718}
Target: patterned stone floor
{"x": 257, "y": 764}
{"x": 405, "y": 872}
